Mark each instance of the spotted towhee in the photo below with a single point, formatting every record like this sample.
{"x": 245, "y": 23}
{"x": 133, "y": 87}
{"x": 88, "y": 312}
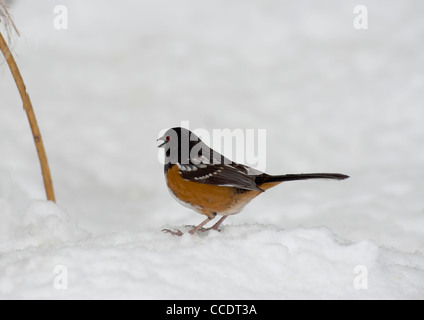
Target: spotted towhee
{"x": 207, "y": 182}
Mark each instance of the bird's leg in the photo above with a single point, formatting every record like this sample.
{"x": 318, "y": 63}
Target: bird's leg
{"x": 193, "y": 231}
{"x": 216, "y": 225}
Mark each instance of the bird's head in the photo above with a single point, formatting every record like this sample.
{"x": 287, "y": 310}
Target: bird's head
{"x": 178, "y": 143}
{"x": 177, "y": 137}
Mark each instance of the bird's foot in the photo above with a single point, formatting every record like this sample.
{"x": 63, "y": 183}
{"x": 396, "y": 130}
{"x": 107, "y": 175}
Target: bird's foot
{"x": 179, "y": 233}
{"x": 201, "y": 229}
{"x": 174, "y": 233}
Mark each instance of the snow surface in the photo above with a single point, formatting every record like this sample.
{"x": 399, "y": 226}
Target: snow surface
{"x": 331, "y": 98}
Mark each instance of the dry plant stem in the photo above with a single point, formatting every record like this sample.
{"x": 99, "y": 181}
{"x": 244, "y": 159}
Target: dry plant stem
{"x": 7, "y": 21}
{"x": 48, "y": 185}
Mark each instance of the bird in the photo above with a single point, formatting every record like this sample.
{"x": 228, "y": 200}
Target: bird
{"x": 205, "y": 181}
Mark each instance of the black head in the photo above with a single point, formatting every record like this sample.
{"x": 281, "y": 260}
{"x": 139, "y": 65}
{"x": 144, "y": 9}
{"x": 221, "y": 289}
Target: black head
{"x": 178, "y": 143}
{"x": 178, "y": 136}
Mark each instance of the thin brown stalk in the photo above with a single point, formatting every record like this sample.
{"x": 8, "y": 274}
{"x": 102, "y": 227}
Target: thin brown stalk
{"x": 48, "y": 184}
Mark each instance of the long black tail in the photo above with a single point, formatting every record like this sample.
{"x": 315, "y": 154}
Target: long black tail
{"x": 302, "y": 176}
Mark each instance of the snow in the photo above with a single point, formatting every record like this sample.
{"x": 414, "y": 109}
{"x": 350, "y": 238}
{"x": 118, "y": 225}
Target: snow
{"x": 253, "y": 260}
{"x": 330, "y": 97}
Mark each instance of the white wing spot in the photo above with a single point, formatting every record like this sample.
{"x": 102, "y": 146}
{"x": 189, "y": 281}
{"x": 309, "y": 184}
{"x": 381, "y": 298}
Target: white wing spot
{"x": 205, "y": 160}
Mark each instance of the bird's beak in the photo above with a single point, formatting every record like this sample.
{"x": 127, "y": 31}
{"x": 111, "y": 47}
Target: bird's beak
{"x": 162, "y": 139}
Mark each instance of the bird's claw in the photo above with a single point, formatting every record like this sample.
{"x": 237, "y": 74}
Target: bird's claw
{"x": 174, "y": 233}
{"x": 179, "y": 233}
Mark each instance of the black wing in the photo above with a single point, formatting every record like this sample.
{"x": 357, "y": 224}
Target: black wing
{"x": 228, "y": 175}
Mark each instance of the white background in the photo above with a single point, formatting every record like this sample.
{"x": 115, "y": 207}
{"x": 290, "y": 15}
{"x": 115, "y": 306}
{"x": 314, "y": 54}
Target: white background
{"x": 331, "y": 98}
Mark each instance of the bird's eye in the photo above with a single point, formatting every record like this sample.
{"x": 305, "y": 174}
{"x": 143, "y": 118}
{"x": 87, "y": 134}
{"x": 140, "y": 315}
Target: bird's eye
{"x": 168, "y": 138}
